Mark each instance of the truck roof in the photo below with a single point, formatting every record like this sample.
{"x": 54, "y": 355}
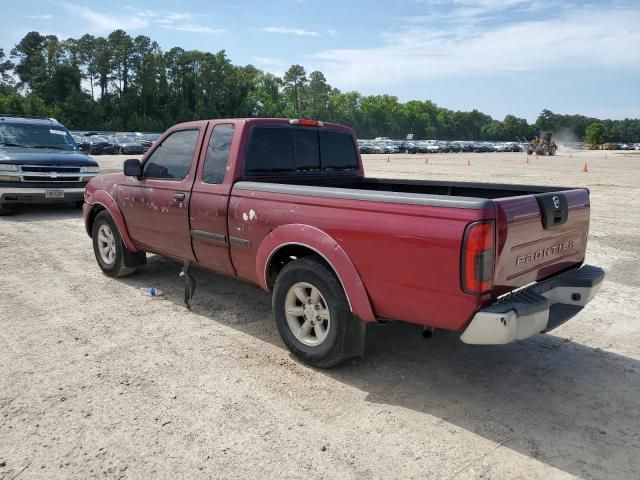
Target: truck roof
{"x": 267, "y": 120}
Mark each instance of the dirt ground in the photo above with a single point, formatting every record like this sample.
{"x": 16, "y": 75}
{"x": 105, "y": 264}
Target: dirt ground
{"x": 97, "y": 381}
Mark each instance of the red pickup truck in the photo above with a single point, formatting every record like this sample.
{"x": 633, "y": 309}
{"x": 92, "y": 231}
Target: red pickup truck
{"x": 285, "y": 204}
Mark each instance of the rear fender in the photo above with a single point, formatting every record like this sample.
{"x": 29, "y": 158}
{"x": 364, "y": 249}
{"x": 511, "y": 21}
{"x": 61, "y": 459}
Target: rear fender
{"x": 325, "y": 246}
{"x": 102, "y": 198}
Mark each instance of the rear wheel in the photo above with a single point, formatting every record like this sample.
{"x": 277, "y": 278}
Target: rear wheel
{"x": 108, "y": 247}
{"x": 313, "y": 316}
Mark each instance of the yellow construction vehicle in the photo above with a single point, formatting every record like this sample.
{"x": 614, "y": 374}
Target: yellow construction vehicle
{"x": 542, "y": 145}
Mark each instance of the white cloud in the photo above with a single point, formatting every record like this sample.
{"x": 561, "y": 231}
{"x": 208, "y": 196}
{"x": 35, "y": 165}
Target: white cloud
{"x": 135, "y": 18}
{"x": 97, "y": 22}
{"x": 300, "y": 32}
{"x": 269, "y": 61}
{"x": 193, "y": 28}
{"x": 160, "y": 16}
{"x": 39, "y": 17}
{"x": 586, "y": 37}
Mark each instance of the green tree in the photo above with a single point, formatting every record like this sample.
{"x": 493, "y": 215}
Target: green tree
{"x": 6, "y": 80}
{"x": 318, "y": 91}
{"x": 31, "y": 63}
{"x": 86, "y": 46}
{"x": 121, "y": 49}
{"x": 596, "y": 133}
{"x": 295, "y": 79}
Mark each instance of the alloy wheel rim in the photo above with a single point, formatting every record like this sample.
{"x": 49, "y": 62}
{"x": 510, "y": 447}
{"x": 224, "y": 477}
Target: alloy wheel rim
{"x": 106, "y": 244}
{"x": 307, "y": 314}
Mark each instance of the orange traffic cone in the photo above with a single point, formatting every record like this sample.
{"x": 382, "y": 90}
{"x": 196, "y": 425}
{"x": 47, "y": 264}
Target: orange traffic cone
{"x": 585, "y": 168}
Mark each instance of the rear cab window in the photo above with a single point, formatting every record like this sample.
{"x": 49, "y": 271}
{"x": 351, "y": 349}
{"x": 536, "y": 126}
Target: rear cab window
{"x": 293, "y": 149}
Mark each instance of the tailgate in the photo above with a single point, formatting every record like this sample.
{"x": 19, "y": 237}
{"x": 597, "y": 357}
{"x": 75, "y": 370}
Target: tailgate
{"x": 538, "y": 236}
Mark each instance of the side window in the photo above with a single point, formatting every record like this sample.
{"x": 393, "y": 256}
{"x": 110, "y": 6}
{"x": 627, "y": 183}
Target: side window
{"x": 270, "y": 150}
{"x": 215, "y": 164}
{"x": 172, "y": 159}
{"x": 338, "y": 151}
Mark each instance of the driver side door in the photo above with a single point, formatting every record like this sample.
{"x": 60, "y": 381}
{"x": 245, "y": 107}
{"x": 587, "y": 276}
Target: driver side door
{"x": 156, "y": 206}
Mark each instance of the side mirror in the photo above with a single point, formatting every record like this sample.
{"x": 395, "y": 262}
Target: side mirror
{"x": 132, "y": 168}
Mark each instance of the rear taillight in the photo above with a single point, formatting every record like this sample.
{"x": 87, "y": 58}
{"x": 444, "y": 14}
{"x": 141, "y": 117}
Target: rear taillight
{"x": 478, "y": 254}
{"x": 303, "y": 122}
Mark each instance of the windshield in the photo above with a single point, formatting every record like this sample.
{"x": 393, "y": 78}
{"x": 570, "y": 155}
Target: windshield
{"x": 126, "y": 140}
{"x": 35, "y": 136}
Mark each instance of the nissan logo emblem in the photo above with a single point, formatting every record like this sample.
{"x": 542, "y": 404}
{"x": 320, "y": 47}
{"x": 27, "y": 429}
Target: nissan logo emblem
{"x": 556, "y": 201}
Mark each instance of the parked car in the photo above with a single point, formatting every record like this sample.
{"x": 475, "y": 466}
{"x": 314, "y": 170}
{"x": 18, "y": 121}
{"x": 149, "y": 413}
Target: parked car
{"x": 367, "y": 147}
{"x": 498, "y": 147}
{"x": 299, "y": 222}
{"x": 39, "y": 163}
{"x": 147, "y": 140}
{"x": 126, "y": 145}
{"x": 82, "y": 143}
{"x": 99, "y": 145}
{"x": 405, "y": 146}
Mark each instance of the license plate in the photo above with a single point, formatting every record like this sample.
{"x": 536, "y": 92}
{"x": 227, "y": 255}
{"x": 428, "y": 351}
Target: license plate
{"x": 54, "y": 194}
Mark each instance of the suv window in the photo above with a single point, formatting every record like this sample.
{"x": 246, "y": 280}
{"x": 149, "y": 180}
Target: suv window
{"x": 36, "y": 135}
{"x": 173, "y": 157}
{"x": 215, "y": 163}
{"x": 301, "y": 149}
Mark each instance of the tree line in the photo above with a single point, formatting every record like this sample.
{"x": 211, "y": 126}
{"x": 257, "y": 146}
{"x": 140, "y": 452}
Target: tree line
{"x": 120, "y": 82}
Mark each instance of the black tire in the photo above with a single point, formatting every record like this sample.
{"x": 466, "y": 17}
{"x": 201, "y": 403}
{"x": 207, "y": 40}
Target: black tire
{"x": 5, "y": 211}
{"x": 115, "y": 268}
{"x": 346, "y": 333}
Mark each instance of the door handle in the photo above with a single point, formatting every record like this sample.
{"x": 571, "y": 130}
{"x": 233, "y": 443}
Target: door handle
{"x": 179, "y": 196}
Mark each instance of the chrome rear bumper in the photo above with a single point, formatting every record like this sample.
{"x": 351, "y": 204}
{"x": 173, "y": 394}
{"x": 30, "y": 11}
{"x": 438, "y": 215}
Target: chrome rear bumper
{"x": 539, "y": 308}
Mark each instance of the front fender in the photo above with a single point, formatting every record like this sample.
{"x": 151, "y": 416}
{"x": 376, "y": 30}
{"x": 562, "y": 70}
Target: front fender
{"x": 102, "y": 198}
{"x": 325, "y": 246}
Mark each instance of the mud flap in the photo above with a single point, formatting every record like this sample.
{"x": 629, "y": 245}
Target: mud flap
{"x": 133, "y": 259}
{"x": 189, "y": 284}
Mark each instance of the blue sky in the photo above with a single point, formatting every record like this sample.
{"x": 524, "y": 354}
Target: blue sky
{"x": 499, "y": 56}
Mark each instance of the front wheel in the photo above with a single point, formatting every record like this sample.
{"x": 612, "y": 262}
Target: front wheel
{"x": 108, "y": 247}
{"x": 313, "y": 315}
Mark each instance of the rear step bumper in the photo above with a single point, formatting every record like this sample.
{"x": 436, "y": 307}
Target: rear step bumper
{"x": 539, "y": 308}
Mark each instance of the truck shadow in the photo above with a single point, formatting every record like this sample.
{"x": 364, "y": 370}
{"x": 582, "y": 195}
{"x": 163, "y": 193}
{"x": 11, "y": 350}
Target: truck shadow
{"x": 39, "y": 213}
{"x": 567, "y": 405}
